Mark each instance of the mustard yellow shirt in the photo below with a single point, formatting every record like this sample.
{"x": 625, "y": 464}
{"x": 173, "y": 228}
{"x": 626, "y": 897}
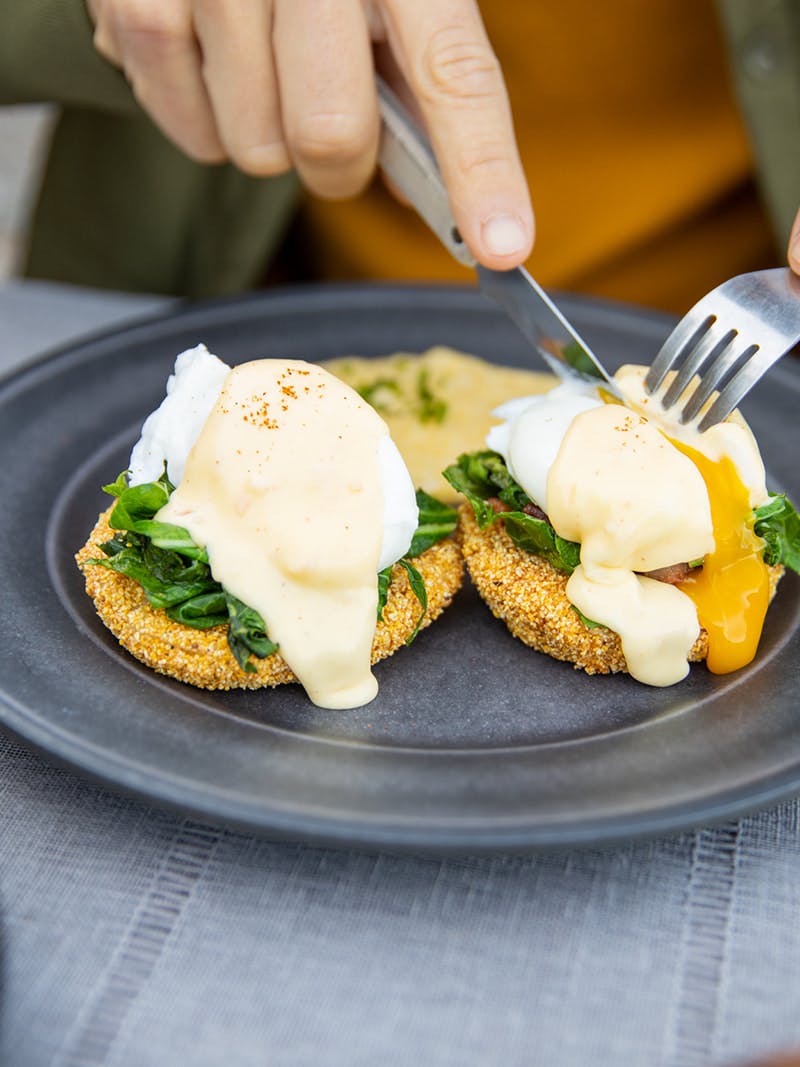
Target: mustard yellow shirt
{"x": 636, "y": 155}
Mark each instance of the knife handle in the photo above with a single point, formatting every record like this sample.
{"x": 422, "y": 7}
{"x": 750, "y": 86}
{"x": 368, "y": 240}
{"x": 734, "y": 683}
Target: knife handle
{"x": 406, "y": 156}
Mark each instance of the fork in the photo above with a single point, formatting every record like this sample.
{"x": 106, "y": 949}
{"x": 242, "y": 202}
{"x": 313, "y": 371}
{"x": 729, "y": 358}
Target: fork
{"x": 730, "y": 339}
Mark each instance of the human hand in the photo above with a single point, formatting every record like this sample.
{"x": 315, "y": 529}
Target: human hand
{"x": 275, "y": 84}
{"x": 793, "y": 252}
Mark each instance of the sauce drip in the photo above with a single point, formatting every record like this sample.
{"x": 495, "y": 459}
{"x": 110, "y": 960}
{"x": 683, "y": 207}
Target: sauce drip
{"x": 283, "y": 489}
{"x": 640, "y": 492}
{"x": 634, "y": 503}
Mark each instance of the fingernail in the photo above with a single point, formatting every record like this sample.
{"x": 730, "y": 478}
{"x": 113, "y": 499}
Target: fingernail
{"x": 504, "y": 235}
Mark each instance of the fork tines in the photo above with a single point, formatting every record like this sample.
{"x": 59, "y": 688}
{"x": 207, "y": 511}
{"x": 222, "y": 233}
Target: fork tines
{"x": 711, "y": 352}
{"x": 724, "y": 345}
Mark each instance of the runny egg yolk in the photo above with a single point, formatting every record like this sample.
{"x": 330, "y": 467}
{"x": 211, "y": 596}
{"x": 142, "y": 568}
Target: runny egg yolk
{"x": 731, "y": 590}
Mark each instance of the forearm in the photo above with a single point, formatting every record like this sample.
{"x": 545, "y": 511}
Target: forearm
{"x": 46, "y": 54}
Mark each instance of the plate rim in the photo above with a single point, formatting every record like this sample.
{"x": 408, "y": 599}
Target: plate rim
{"x": 606, "y": 830}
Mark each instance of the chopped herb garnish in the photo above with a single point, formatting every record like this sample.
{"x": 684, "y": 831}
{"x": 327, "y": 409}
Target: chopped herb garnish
{"x": 431, "y": 408}
{"x": 380, "y": 393}
{"x": 398, "y": 397}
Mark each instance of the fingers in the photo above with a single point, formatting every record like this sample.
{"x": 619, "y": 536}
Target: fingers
{"x": 240, "y": 76}
{"x": 264, "y": 83}
{"x": 271, "y": 83}
{"x": 448, "y": 62}
{"x": 328, "y": 101}
{"x": 794, "y": 245}
{"x": 155, "y": 44}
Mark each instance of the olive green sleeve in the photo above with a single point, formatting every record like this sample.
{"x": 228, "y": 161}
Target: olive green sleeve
{"x": 764, "y": 44}
{"x": 119, "y": 206}
{"x": 46, "y": 54}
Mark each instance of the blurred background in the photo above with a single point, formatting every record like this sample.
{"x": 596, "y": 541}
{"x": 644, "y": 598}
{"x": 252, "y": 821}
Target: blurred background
{"x": 661, "y": 143}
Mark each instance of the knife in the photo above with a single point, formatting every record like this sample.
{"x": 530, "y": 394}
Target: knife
{"x": 406, "y": 156}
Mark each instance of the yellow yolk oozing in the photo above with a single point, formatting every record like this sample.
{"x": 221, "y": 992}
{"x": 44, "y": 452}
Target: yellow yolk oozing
{"x": 639, "y": 491}
{"x": 731, "y": 590}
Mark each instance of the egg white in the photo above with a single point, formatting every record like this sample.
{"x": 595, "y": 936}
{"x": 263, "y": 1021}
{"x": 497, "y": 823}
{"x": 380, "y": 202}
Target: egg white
{"x": 532, "y": 430}
{"x": 533, "y": 427}
{"x": 169, "y": 432}
{"x": 611, "y": 479}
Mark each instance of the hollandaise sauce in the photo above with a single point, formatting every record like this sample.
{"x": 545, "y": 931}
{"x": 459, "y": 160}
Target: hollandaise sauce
{"x": 635, "y": 504}
{"x": 731, "y": 590}
{"x": 283, "y": 489}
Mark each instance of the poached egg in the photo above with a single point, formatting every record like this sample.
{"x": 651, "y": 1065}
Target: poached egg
{"x": 169, "y": 433}
{"x": 291, "y": 482}
{"x": 640, "y": 492}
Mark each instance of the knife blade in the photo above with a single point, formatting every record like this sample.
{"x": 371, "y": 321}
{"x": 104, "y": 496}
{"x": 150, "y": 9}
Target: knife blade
{"x": 540, "y": 321}
{"x": 406, "y": 156}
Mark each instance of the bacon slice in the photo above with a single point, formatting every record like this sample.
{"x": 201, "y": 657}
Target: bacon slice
{"x": 676, "y": 572}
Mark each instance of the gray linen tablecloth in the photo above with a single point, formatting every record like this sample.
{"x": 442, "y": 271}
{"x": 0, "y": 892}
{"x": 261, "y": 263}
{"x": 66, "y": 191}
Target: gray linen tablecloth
{"x": 133, "y": 937}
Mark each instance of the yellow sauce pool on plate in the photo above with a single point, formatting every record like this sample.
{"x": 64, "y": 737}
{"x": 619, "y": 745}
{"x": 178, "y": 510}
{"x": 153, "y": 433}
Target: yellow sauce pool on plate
{"x": 437, "y": 404}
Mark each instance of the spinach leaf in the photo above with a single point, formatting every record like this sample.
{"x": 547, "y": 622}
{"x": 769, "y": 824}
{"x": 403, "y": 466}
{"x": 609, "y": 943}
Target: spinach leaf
{"x": 171, "y": 567}
{"x": 481, "y": 475}
{"x": 162, "y": 592}
{"x": 173, "y": 571}
{"x": 247, "y": 633}
{"x": 417, "y": 583}
{"x": 118, "y": 487}
{"x": 590, "y": 624}
{"x": 202, "y": 611}
{"x": 436, "y": 521}
{"x": 384, "y": 581}
{"x": 537, "y": 536}
{"x": 135, "y": 510}
{"x": 778, "y": 523}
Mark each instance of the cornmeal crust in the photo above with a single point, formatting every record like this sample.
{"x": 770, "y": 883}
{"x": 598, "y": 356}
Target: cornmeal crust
{"x": 528, "y": 594}
{"x": 202, "y": 657}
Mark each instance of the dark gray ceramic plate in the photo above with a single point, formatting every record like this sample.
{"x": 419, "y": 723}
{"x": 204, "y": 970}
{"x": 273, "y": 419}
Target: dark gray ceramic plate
{"x": 474, "y": 741}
